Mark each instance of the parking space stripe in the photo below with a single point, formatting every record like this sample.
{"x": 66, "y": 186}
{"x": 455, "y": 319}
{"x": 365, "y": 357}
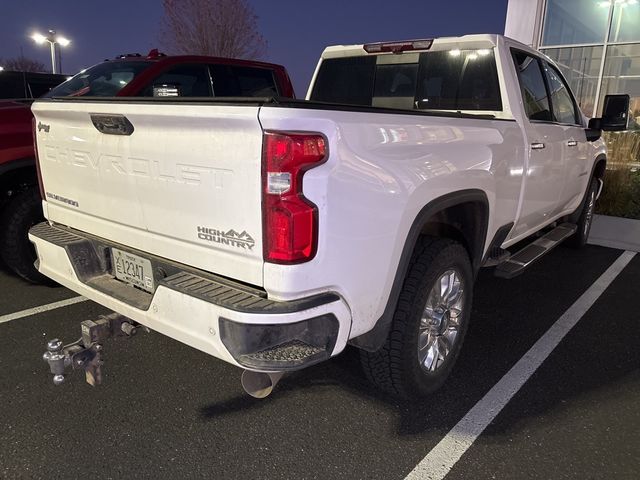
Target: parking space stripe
{"x": 41, "y": 309}
{"x": 441, "y": 459}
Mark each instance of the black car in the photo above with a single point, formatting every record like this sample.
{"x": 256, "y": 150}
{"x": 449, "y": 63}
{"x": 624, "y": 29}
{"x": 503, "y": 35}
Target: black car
{"x": 27, "y": 84}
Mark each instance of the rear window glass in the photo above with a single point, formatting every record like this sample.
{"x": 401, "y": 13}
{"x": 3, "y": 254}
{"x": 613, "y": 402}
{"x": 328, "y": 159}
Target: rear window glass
{"x": 395, "y": 85}
{"x": 104, "y": 80}
{"x": 189, "y": 80}
{"x": 440, "y": 80}
{"x": 345, "y": 80}
{"x": 459, "y": 80}
{"x": 234, "y": 81}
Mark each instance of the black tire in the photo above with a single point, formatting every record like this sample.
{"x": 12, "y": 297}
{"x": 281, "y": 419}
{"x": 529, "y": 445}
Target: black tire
{"x": 396, "y": 367}
{"x": 585, "y": 219}
{"x": 22, "y": 212}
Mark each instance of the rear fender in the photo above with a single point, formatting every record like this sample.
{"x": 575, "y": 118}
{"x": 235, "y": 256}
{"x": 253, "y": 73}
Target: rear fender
{"x": 375, "y": 338}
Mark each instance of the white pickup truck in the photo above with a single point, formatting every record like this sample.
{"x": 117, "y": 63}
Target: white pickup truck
{"x": 271, "y": 233}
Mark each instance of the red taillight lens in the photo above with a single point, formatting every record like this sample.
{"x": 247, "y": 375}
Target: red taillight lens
{"x": 35, "y": 151}
{"x": 290, "y": 219}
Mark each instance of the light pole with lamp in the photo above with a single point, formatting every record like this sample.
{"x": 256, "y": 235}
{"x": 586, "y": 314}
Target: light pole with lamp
{"x": 53, "y": 40}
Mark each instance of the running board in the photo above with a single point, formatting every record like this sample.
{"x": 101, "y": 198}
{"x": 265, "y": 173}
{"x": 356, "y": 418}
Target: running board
{"x": 520, "y": 261}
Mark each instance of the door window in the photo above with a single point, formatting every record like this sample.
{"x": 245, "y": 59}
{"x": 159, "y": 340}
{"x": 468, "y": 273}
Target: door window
{"x": 564, "y": 109}
{"x": 532, "y": 86}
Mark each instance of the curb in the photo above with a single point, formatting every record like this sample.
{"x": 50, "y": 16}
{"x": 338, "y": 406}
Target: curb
{"x": 615, "y": 232}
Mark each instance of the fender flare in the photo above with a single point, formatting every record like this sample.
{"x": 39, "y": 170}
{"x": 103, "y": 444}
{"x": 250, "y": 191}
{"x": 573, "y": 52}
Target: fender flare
{"x": 375, "y": 338}
{"x": 573, "y": 218}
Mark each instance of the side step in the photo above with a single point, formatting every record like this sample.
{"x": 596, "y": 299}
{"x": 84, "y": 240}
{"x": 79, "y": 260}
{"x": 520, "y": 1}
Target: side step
{"x": 519, "y": 262}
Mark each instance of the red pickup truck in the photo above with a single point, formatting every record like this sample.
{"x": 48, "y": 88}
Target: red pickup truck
{"x": 132, "y": 75}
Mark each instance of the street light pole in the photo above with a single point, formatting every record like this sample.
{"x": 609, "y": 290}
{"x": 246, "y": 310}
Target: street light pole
{"x": 53, "y": 57}
{"x": 53, "y": 39}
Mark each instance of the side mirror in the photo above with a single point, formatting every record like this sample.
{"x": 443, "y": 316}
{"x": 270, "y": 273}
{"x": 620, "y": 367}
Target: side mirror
{"x": 166, "y": 90}
{"x": 615, "y": 114}
{"x": 594, "y": 130}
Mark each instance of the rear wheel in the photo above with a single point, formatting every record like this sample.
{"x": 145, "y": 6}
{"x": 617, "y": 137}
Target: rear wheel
{"x": 585, "y": 220}
{"x": 429, "y": 323}
{"x": 23, "y": 211}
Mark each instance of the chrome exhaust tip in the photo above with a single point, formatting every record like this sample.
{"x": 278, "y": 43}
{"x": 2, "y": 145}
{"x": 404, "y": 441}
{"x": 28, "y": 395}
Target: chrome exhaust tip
{"x": 259, "y": 384}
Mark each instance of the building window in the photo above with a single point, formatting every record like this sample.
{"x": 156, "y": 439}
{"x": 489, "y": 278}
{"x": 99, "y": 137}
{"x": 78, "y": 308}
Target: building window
{"x": 572, "y": 22}
{"x": 622, "y": 75}
{"x": 625, "y": 26}
{"x": 581, "y": 67}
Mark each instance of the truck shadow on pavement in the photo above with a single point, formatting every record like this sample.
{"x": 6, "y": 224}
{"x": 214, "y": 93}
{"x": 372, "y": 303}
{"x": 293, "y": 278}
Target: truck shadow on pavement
{"x": 508, "y": 318}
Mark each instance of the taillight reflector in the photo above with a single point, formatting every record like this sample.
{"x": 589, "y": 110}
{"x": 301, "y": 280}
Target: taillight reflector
{"x": 290, "y": 219}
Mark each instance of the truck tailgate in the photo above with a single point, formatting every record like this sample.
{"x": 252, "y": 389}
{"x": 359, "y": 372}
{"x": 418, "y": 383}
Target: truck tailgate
{"x": 181, "y": 181}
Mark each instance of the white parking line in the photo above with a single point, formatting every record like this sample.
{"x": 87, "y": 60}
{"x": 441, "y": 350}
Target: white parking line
{"x": 446, "y": 454}
{"x": 42, "y": 308}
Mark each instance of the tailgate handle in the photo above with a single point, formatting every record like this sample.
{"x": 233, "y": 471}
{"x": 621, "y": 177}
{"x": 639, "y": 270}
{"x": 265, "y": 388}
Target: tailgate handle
{"x": 112, "y": 124}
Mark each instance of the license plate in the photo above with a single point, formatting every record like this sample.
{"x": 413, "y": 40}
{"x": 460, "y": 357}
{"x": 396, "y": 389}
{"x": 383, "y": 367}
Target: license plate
{"x": 132, "y": 269}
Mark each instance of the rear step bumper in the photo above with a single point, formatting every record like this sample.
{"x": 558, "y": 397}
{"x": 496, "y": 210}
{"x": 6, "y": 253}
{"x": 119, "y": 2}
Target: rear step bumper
{"x": 229, "y": 320}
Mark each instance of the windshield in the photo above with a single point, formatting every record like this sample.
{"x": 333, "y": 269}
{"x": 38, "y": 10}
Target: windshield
{"x": 104, "y": 80}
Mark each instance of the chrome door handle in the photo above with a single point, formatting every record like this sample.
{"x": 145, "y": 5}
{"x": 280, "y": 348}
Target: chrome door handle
{"x": 572, "y": 143}
{"x": 537, "y": 146}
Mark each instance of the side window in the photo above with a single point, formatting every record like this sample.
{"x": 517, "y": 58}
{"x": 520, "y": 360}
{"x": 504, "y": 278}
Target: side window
{"x": 191, "y": 81}
{"x": 38, "y": 89}
{"x": 532, "y": 85}
{"x": 564, "y": 109}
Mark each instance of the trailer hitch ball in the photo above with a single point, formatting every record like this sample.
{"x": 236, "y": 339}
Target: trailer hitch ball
{"x": 57, "y": 360}
{"x": 86, "y": 353}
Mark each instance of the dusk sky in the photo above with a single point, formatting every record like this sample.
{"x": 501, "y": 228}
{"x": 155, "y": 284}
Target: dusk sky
{"x": 296, "y": 31}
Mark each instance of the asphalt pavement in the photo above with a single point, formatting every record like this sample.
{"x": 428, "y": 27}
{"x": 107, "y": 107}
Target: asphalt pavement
{"x": 166, "y": 410}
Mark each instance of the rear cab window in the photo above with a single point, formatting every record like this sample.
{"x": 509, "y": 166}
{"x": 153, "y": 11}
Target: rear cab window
{"x": 182, "y": 81}
{"x": 103, "y": 80}
{"x": 240, "y": 81}
{"x": 446, "y": 80}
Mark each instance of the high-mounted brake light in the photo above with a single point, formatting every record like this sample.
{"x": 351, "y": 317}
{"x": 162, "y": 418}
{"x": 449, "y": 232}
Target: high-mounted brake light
{"x": 35, "y": 150}
{"x": 398, "y": 47}
{"x": 290, "y": 219}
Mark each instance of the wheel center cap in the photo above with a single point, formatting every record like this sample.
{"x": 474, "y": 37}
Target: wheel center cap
{"x": 440, "y": 320}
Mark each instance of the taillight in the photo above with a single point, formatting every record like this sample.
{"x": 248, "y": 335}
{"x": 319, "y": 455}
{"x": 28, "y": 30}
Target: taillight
{"x": 290, "y": 219}
{"x": 35, "y": 150}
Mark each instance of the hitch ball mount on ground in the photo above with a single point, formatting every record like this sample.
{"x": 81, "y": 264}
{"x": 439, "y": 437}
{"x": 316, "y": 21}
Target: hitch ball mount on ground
{"x": 86, "y": 353}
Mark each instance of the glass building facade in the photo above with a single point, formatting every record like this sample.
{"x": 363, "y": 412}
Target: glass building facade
{"x": 596, "y": 43}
